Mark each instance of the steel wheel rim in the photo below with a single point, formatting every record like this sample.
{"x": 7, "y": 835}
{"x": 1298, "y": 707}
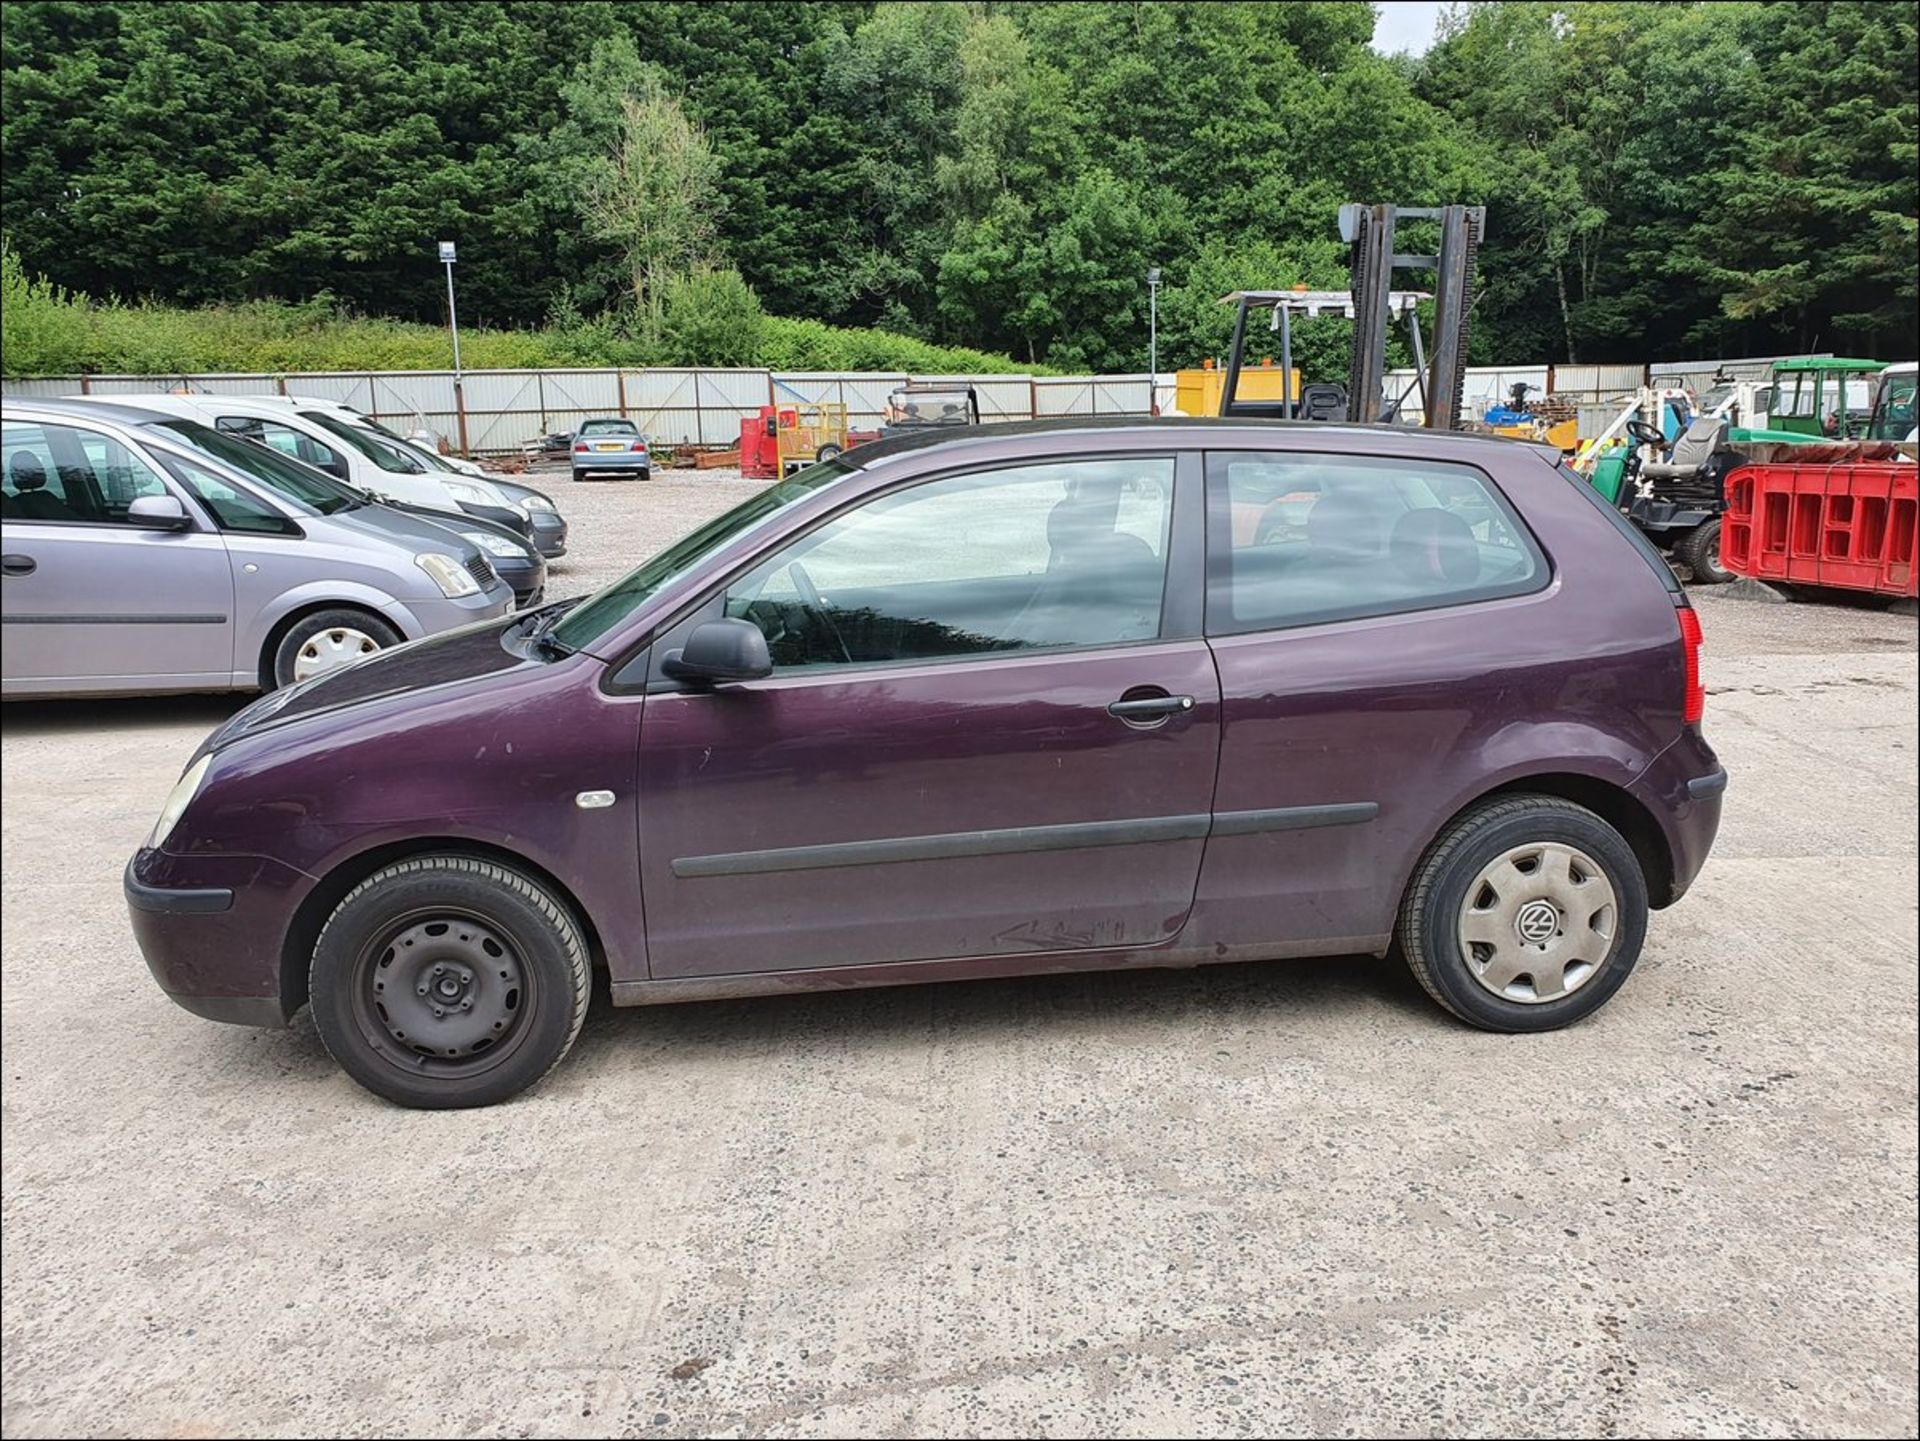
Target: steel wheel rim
{"x": 1538, "y": 923}
{"x": 330, "y": 649}
{"x": 443, "y": 993}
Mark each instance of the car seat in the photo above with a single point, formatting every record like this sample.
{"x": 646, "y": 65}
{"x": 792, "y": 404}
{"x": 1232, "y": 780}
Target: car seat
{"x": 32, "y": 500}
{"x": 1435, "y": 549}
{"x": 1703, "y": 438}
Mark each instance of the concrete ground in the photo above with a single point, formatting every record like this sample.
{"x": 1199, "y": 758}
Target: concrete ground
{"x": 1289, "y": 1198}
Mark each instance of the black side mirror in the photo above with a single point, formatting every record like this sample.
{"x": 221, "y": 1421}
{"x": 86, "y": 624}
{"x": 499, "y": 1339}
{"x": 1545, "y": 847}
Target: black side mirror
{"x": 719, "y": 651}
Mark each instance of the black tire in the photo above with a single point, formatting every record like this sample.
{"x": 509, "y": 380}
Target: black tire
{"x": 339, "y": 624}
{"x": 1699, "y": 548}
{"x": 509, "y": 956}
{"x": 579, "y": 475}
{"x": 1437, "y": 900}
{"x": 646, "y": 474}
{"x": 827, "y": 451}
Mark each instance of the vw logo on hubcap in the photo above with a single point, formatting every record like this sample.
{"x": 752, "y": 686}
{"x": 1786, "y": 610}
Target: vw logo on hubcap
{"x": 1537, "y": 922}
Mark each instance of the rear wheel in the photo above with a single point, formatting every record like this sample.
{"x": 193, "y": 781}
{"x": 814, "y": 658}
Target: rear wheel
{"x": 1700, "y": 549}
{"x": 327, "y": 640}
{"x": 1527, "y": 914}
{"x": 449, "y": 981}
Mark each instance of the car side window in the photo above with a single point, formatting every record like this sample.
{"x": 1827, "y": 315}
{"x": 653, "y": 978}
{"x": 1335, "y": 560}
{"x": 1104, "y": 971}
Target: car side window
{"x": 65, "y": 473}
{"x": 231, "y": 507}
{"x": 1295, "y": 539}
{"x": 283, "y": 438}
{"x": 1028, "y": 558}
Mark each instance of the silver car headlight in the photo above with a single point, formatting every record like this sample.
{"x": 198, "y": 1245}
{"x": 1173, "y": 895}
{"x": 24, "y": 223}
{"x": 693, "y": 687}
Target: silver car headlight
{"x": 448, "y": 574}
{"x": 467, "y": 491}
{"x": 538, "y": 502}
{"x": 178, "y": 798}
{"x": 493, "y": 544}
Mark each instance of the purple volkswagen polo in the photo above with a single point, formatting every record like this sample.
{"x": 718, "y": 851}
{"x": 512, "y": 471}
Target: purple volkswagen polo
{"x": 1041, "y": 697}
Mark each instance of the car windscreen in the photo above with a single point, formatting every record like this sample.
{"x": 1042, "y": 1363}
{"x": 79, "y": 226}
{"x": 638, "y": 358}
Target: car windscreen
{"x": 291, "y": 479}
{"x": 387, "y": 456}
{"x": 586, "y": 624}
{"x": 609, "y": 427}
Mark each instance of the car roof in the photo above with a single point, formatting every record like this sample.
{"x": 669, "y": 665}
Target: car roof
{"x": 989, "y": 431}
{"x": 87, "y": 406}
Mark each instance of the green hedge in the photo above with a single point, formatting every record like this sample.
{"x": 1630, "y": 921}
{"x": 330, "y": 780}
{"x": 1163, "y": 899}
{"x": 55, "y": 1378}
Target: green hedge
{"x": 45, "y": 330}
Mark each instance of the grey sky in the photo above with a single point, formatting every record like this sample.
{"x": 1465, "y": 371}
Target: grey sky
{"x": 1405, "y": 25}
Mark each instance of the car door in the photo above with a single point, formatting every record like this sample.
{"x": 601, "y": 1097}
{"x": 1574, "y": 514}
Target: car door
{"x": 94, "y": 602}
{"x": 991, "y": 730}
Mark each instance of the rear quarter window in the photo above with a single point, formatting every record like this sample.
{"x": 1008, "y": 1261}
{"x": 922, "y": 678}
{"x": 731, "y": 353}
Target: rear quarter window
{"x": 1298, "y": 539}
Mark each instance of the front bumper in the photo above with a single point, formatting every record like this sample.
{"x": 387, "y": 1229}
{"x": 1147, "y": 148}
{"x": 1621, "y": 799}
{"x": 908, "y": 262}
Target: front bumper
{"x": 210, "y": 929}
{"x": 549, "y": 534}
{"x": 527, "y": 574}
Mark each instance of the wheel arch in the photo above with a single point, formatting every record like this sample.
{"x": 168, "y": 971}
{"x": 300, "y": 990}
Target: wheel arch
{"x": 1618, "y": 807}
{"x": 276, "y": 631}
{"x": 296, "y": 948}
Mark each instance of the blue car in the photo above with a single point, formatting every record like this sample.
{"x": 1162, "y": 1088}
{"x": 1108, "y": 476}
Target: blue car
{"x": 610, "y": 446}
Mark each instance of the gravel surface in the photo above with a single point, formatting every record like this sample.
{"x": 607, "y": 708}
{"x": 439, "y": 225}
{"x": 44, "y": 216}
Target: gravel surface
{"x": 1241, "y": 1200}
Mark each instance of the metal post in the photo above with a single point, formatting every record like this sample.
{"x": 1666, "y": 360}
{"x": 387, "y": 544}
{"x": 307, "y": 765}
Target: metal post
{"x": 447, "y": 257}
{"x": 1288, "y": 401}
{"x": 1231, "y": 386}
{"x": 1153, "y": 340}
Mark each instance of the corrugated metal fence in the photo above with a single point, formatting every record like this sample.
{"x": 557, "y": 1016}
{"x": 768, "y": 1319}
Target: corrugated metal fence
{"x": 497, "y": 410}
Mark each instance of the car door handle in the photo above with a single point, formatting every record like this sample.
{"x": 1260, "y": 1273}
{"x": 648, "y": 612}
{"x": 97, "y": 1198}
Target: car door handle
{"x": 1146, "y": 707}
{"x": 17, "y": 564}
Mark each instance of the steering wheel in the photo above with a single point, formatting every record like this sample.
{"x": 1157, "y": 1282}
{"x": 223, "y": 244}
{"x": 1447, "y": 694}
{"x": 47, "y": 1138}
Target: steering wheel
{"x": 811, "y": 598}
{"x": 1645, "y": 434}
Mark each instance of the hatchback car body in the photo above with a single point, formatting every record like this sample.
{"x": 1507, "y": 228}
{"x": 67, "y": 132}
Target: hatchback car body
{"x": 1041, "y": 697}
{"x": 610, "y": 446}
{"x": 143, "y": 557}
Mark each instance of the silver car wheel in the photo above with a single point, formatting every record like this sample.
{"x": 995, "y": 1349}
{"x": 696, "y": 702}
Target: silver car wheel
{"x": 330, "y": 649}
{"x": 1538, "y": 922}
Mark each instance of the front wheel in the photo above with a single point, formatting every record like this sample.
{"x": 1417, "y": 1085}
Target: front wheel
{"x": 1700, "y": 549}
{"x": 449, "y": 981}
{"x": 1527, "y": 914}
{"x": 327, "y": 640}
{"x": 827, "y": 452}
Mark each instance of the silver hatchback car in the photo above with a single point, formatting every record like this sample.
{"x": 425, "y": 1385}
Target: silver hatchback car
{"x": 145, "y": 553}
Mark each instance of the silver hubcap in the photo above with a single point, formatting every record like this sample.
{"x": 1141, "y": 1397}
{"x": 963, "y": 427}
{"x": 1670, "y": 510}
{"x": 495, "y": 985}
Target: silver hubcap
{"x": 331, "y": 649}
{"x": 1538, "y": 923}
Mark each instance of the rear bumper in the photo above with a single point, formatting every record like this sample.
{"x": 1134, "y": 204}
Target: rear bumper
{"x": 610, "y": 460}
{"x": 210, "y": 929}
{"x": 1684, "y": 788}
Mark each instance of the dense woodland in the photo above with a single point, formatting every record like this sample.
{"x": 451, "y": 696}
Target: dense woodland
{"x": 1663, "y": 180}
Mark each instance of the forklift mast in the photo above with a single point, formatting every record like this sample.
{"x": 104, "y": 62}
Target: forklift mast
{"x": 1373, "y": 305}
{"x": 1370, "y": 231}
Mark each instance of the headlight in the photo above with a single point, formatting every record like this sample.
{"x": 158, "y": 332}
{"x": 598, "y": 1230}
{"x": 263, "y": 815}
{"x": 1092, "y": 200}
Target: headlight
{"x": 183, "y": 792}
{"x": 467, "y": 491}
{"x": 448, "y": 574}
{"x": 493, "y": 544}
{"x": 537, "y": 502}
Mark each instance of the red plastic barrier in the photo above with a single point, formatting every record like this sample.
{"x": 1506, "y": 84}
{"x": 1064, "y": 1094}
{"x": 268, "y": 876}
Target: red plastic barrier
{"x": 1848, "y": 525}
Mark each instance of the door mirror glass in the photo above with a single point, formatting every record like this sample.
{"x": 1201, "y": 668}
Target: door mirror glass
{"x": 720, "y": 651}
{"x": 158, "y": 512}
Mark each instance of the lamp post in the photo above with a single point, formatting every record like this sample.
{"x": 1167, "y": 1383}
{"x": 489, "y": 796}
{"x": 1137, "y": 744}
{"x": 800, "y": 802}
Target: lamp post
{"x": 447, "y": 257}
{"x": 1153, "y": 339}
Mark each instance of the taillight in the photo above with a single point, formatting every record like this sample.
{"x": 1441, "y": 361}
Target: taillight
{"x": 1690, "y": 641}
{"x": 579, "y": 447}
{"x": 639, "y": 446}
